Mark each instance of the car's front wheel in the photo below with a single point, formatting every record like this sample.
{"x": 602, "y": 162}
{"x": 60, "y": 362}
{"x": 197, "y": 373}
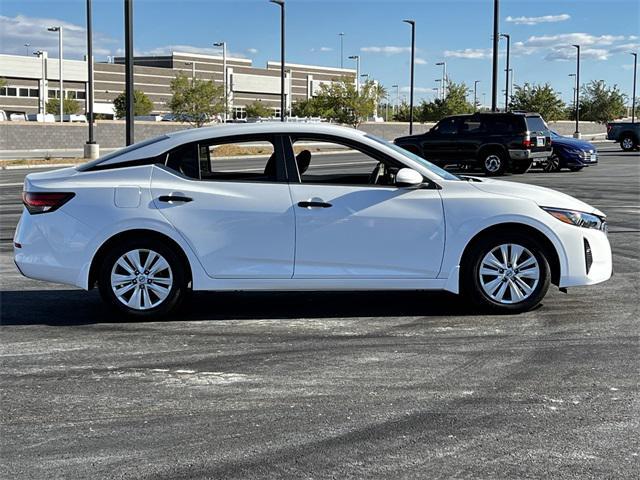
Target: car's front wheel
{"x": 506, "y": 273}
{"x": 142, "y": 278}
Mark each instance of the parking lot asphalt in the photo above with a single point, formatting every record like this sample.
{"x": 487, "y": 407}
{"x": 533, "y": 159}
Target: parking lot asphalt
{"x": 329, "y": 385}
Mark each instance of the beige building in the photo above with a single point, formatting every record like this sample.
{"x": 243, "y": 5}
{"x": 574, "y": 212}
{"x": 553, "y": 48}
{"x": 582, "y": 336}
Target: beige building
{"x": 30, "y": 81}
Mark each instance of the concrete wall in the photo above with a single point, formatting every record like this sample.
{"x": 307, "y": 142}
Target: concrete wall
{"x": 110, "y": 134}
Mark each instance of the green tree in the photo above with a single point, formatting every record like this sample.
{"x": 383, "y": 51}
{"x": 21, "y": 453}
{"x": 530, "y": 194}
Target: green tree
{"x": 306, "y": 108}
{"x": 3, "y": 82}
{"x": 455, "y": 103}
{"x": 341, "y": 102}
{"x": 195, "y": 101}
{"x": 142, "y": 105}
{"x": 599, "y": 103}
{"x": 402, "y": 114}
{"x": 71, "y": 106}
{"x": 258, "y": 109}
{"x": 541, "y": 99}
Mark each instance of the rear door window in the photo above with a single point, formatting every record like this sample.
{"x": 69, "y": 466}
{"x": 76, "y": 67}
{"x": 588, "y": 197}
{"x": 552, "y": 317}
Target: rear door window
{"x": 447, "y": 126}
{"x": 536, "y": 124}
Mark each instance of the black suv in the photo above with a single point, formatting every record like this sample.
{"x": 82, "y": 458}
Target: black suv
{"x": 495, "y": 142}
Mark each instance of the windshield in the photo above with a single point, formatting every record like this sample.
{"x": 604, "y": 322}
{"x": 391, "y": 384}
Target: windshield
{"x": 426, "y": 164}
{"x": 117, "y": 153}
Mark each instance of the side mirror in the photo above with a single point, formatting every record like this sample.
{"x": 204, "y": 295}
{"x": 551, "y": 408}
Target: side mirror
{"x": 408, "y": 177}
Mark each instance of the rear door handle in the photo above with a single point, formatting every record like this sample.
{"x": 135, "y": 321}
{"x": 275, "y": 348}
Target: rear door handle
{"x": 174, "y": 198}
{"x": 314, "y": 205}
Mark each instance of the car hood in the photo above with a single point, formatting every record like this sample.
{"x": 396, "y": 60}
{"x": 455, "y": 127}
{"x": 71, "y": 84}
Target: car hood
{"x": 544, "y": 197}
{"x": 573, "y": 143}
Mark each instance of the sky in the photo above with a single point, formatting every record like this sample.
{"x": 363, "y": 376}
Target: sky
{"x": 456, "y": 31}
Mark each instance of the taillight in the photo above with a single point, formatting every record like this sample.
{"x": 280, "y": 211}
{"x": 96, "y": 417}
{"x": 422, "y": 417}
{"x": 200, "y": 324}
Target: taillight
{"x": 526, "y": 143}
{"x": 44, "y": 202}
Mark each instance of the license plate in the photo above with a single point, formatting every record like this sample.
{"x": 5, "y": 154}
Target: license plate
{"x": 540, "y": 141}
{"x": 593, "y": 157}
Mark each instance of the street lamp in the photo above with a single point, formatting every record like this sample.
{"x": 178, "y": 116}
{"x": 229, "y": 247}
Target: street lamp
{"x": 444, "y": 78}
{"x": 193, "y": 70}
{"x": 341, "y": 35}
{"x": 282, "y": 94}
{"x": 439, "y": 82}
{"x": 128, "y": 72}
{"x": 506, "y": 88}
{"x": 357, "y": 59}
{"x": 60, "y": 80}
{"x": 577, "y": 132}
{"x": 573, "y": 99}
{"x": 413, "y": 61}
{"x": 224, "y": 78}
{"x": 633, "y": 101}
{"x": 397, "y": 87}
{"x": 91, "y": 149}
{"x": 42, "y": 100}
{"x": 496, "y": 37}
{"x": 365, "y": 75}
{"x": 475, "y": 94}
{"x": 27, "y": 45}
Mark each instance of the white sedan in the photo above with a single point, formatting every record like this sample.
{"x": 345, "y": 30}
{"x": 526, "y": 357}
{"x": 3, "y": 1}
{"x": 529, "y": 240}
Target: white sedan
{"x": 298, "y": 207}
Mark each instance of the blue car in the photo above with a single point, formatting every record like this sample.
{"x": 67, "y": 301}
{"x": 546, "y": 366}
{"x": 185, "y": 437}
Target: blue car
{"x": 570, "y": 153}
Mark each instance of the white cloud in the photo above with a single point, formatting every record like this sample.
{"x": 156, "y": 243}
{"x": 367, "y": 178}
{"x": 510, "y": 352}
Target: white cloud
{"x": 21, "y": 29}
{"x": 252, "y": 51}
{"x": 167, "y": 49}
{"x": 569, "y": 53}
{"x": 625, "y": 47}
{"x": 584, "y": 39}
{"x": 407, "y": 89}
{"x": 387, "y": 50}
{"x": 469, "y": 53}
{"x": 536, "y": 20}
{"x": 420, "y": 61}
{"x": 326, "y": 49}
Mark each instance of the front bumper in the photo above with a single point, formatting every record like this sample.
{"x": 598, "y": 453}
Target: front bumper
{"x": 583, "y": 159}
{"x": 583, "y": 268}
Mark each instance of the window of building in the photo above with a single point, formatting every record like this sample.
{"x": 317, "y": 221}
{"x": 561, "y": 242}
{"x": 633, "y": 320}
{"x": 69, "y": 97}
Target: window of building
{"x": 329, "y": 161}
{"x": 23, "y": 92}
{"x": 239, "y": 113}
{"x": 34, "y": 92}
{"x": 12, "y": 92}
{"x": 3, "y": 91}
{"x": 276, "y": 111}
{"x": 80, "y": 95}
{"x": 70, "y": 94}
{"x": 53, "y": 93}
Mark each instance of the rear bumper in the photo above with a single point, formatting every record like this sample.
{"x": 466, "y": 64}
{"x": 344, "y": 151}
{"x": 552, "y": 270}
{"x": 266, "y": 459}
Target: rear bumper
{"x": 528, "y": 154}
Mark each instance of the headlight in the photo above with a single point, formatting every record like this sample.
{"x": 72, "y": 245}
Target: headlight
{"x": 579, "y": 219}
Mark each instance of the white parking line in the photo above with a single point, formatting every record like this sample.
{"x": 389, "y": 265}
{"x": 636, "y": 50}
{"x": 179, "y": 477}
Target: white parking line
{"x": 16, "y": 184}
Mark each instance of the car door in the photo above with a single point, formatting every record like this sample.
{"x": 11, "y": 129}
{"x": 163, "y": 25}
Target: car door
{"x": 230, "y": 201}
{"x": 440, "y": 145}
{"x": 470, "y": 138}
{"x": 348, "y": 227}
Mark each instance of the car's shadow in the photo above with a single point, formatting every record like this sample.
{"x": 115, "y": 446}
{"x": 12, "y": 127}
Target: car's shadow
{"x": 77, "y": 307}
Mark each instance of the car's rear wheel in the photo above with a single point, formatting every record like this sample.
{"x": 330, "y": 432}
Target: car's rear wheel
{"x": 142, "y": 278}
{"x": 628, "y": 143}
{"x": 508, "y": 273}
{"x": 493, "y": 162}
{"x": 552, "y": 164}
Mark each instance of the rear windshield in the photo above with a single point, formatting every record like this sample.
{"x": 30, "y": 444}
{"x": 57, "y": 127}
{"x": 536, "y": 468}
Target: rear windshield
{"x": 117, "y": 153}
{"x": 536, "y": 124}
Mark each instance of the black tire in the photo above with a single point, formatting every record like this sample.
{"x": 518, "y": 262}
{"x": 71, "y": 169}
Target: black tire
{"x": 628, "y": 143}
{"x": 176, "y": 272}
{"x": 471, "y": 279}
{"x": 493, "y": 162}
{"x": 521, "y": 167}
{"x": 552, "y": 164}
{"x": 575, "y": 169}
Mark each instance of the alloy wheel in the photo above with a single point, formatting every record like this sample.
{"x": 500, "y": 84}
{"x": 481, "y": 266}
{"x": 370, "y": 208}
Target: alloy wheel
{"x": 492, "y": 163}
{"x": 509, "y": 273}
{"x": 627, "y": 143}
{"x": 141, "y": 279}
{"x": 552, "y": 164}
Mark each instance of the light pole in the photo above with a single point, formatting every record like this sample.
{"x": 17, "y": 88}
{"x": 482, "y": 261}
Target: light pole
{"x": 439, "y": 82}
{"x": 507, "y": 71}
{"x": 341, "y": 35}
{"x": 444, "y": 79}
{"x": 475, "y": 94}
{"x": 27, "y": 45}
{"x": 633, "y": 101}
{"x": 397, "y": 87}
{"x": 357, "y": 59}
{"x": 573, "y": 99}
{"x": 91, "y": 149}
{"x": 365, "y": 75}
{"x": 60, "y": 79}
{"x": 193, "y": 70}
{"x": 577, "y": 132}
{"x": 496, "y": 37}
{"x": 413, "y": 61}
{"x": 282, "y": 94}
{"x": 42, "y": 100}
{"x": 224, "y": 78}
{"x": 128, "y": 71}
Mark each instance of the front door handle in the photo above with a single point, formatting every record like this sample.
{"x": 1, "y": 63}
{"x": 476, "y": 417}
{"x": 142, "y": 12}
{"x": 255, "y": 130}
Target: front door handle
{"x": 174, "y": 198}
{"x": 314, "y": 204}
